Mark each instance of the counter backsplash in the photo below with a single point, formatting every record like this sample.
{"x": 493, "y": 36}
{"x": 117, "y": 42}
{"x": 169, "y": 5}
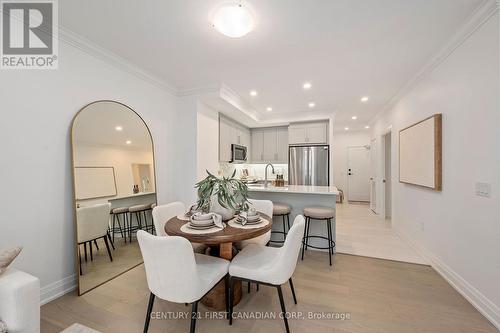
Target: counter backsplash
{"x": 254, "y": 170}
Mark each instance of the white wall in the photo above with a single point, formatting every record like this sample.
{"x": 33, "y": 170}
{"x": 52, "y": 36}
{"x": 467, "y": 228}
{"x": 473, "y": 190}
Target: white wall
{"x": 37, "y": 107}
{"x": 207, "y": 148}
{"x": 458, "y": 231}
{"x": 341, "y": 141}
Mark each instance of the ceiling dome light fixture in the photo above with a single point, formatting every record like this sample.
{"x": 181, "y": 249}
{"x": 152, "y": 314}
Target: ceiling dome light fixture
{"x": 233, "y": 20}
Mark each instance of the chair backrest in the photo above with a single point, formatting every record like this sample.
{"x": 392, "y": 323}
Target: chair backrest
{"x": 163, "y": 213}
{"x": 92, "y": 222}
{"x": 290, "y": 250}
{"x": 263, "y": 206}
{"x": 170, "y": 267}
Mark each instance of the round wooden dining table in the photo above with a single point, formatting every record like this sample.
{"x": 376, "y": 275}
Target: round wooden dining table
{"x": 223, "y": 240}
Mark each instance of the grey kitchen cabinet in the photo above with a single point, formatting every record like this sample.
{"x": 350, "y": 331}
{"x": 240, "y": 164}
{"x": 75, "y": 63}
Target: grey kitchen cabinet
{"x": 270, "y": 145}
{"x": 231, "y": 132}
{"x": 308, "y": 133}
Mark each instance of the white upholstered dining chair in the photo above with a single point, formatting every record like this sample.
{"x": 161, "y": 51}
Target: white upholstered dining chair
{"x": 92, "y": 223}
{"x": 163, "y": 213}
{"x": 176, "y": 274}
{"x": 268, "y": 265}
{"x": 265, "y": 207}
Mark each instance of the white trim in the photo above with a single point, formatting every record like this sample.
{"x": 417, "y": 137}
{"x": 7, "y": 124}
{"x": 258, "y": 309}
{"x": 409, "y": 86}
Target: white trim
{"x": 476, "y": 20}
{"x": 484, "y": 305}
{"x": 79, "y": 42}
{"x": 57, "y": 289}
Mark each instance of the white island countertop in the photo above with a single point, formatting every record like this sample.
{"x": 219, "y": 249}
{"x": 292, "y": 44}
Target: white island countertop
{"x": 297, "y": 189}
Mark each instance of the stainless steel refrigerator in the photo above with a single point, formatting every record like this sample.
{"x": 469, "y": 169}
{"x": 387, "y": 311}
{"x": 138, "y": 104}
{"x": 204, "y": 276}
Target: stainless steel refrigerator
{"x": 309, "y": 165}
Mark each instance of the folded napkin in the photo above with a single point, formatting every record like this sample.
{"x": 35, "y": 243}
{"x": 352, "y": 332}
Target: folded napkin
{"x": 251, "y": 215}
{"x": 192, "y": 210}
{"x": 216, "y": 218}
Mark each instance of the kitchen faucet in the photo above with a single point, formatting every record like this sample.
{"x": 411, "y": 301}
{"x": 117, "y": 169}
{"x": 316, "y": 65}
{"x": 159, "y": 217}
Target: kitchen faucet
{"x": 265, "y": 177}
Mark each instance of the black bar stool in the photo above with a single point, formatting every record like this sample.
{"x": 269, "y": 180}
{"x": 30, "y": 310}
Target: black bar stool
{"x": 117, "y": 212}
{"x": 283, "y": 210}
{"x": 139, "y": 211}
{"x": 322, "y": 214}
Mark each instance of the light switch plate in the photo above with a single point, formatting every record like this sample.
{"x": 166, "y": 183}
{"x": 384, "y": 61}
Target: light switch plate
{"x": 483, "y": 190}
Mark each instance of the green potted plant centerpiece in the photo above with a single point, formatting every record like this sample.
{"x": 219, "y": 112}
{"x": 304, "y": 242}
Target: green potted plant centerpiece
{"x": 222, "y": 195}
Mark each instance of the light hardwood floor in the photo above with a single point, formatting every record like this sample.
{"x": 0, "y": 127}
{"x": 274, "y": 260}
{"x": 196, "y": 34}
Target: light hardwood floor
{"x": 378, "y": 295}
{"x": 362, "y": 232}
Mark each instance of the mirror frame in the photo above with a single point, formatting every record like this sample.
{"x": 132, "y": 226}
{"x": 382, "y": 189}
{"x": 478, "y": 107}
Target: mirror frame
{"x": 75, "y": 236}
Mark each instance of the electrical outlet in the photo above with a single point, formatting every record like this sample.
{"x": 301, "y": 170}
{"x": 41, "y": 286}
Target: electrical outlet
{"x": 483, "y": 190}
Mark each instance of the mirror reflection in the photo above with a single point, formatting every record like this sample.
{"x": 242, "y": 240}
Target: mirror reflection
{"x": 114, "y": 181}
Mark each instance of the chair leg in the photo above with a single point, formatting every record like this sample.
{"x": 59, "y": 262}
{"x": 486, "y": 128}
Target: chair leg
{"x": 329, "y": 240}
{"x": 96, "y": 246}
{"x": 307, "y": 235}
{"x": 288, "y": 221}
{"x": 257, "y": 286}
{"x": 194, "y": 314}
{"x": 112, "y": 243}
{"x": 148, "y": 314}
{"x": 283, "y": 310}
{"x": 293, "y": 291}
{"x": 91, "y": 251}
{"x": 231, "y": 291}
{"x": 80, "y": 259}
{"x": 304, "y": 240}
{"x": 249, "y": 287}
{"x": 107, "y": 247}
{"x": 85, "y": 250}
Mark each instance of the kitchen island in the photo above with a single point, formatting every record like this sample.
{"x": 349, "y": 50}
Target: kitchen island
{"x": 298, "y": 197}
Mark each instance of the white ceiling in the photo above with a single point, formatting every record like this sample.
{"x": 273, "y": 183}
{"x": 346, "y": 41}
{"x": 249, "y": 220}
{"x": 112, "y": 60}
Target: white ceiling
{"x": 96, "y": 124}
{"x": 345, "y": 48}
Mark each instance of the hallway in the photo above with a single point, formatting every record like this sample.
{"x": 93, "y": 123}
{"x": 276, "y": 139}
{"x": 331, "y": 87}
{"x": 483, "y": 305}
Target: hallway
{"x": 361, "y": 232}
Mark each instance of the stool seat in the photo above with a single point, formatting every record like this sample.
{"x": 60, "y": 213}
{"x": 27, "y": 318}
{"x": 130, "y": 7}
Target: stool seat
{"x": 319, "y": 212}
{"x": 281, "y": 208}
{"x": 119, "y": 210}
{"x": 138, "y": 208}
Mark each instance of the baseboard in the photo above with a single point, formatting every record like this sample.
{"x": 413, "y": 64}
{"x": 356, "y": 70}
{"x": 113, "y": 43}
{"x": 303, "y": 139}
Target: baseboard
{"x": 485, "y": 306}
{"x": 57, "y": 289}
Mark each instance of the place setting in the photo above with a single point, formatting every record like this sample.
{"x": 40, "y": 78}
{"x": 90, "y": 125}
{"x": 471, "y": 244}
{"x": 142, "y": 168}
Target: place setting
{"x": 203, "y": 223}
{"x": 248, "y": 220}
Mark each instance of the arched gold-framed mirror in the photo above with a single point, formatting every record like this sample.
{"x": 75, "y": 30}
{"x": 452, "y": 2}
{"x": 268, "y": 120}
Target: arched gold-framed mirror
{"x": 114, "y": 190}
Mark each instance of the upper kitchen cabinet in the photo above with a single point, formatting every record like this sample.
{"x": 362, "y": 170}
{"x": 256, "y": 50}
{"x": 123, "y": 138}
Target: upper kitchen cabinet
{"x": 308, "y": 133}
{"x": 230, "y": 132}
{"x": 270, "y": 145}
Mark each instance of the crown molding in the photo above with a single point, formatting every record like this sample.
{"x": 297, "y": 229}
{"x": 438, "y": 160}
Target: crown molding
{"x": 485, "y": 11}
{"x": 79, "y": 42}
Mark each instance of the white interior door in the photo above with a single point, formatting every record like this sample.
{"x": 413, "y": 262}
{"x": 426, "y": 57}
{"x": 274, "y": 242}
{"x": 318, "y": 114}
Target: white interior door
{"x": 373, "y": 175}
{"x": 358, "y": 173}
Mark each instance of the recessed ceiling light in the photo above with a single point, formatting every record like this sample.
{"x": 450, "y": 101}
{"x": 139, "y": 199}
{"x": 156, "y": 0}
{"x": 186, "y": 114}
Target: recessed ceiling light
{"x": 118, "y": 128}
{"x": 364, "y": 99}
{"x": 253, "y": 93}
{"x": 128, "y": 142}
{"x": 269, "y": 109}
{"x": 312, "y": 104}
{"x": 307, "y": 85}
{"x": 346, "y": 128}
{"x": 367, "y": 127}
{"x": 354, "y": 117}
{"x": 233, "y": 20}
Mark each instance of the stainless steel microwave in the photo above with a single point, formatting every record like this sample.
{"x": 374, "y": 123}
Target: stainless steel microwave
{"x": 238, "y": 154}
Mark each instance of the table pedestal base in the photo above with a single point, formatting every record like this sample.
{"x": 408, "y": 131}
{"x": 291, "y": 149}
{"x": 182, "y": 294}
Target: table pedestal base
{"x": 216, "y": 298}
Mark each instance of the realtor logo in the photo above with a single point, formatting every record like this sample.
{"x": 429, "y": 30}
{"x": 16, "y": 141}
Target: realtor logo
{"x": 29, "y": 34}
